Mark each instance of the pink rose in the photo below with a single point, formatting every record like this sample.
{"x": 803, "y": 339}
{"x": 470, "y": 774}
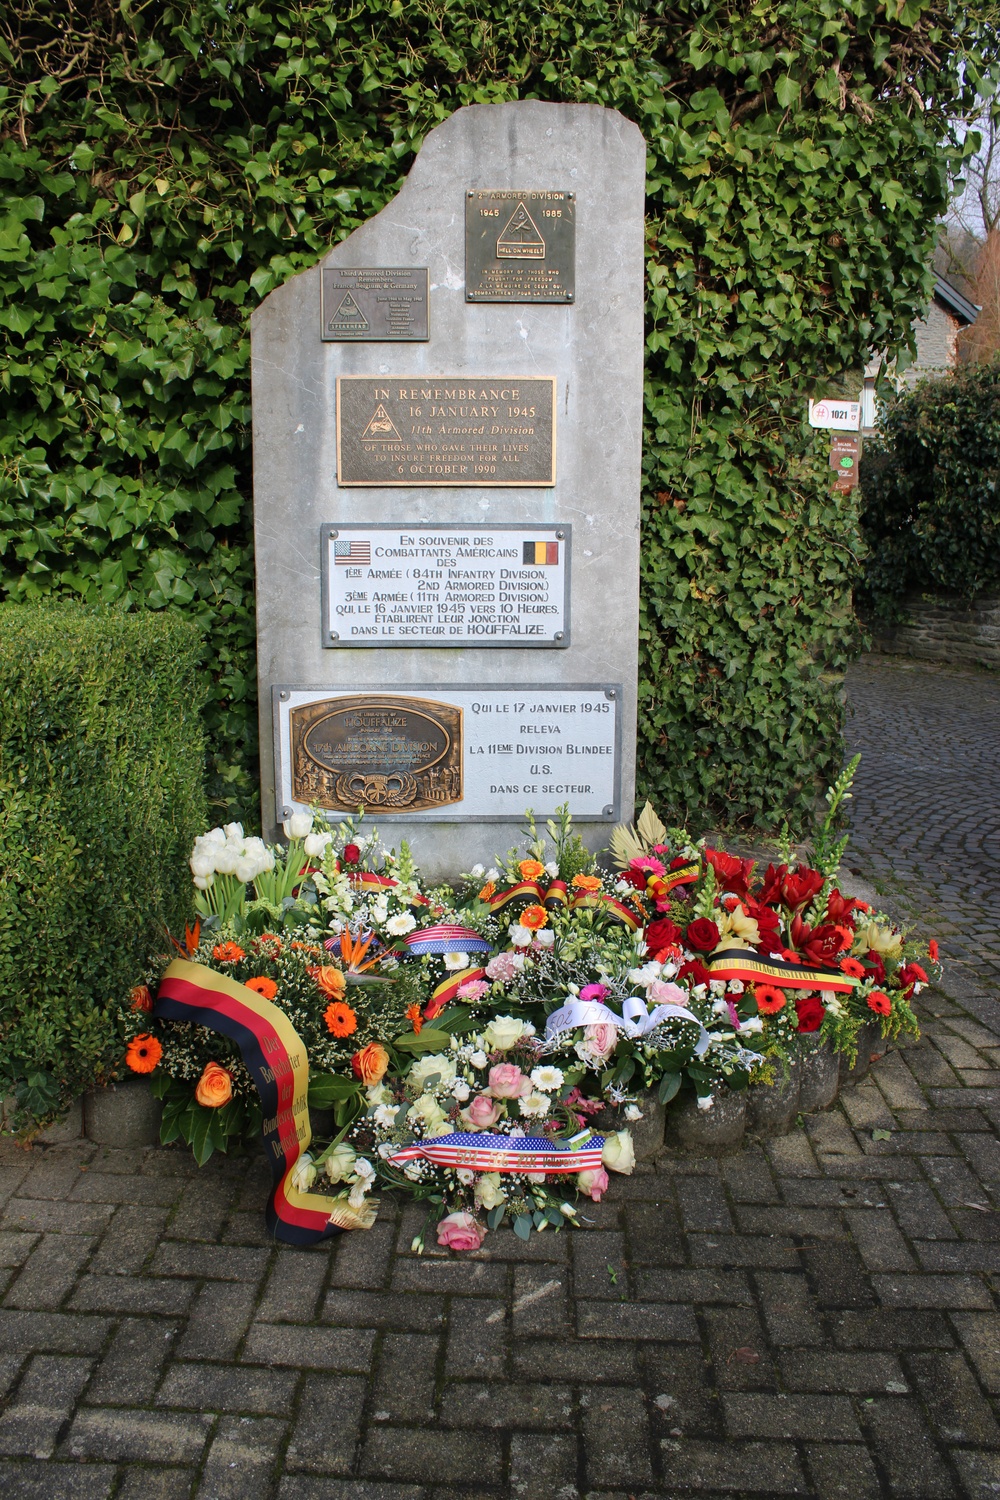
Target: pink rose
{"x": 601, "y": 1039}
{"x": 666, "y": 994}
{"x": 508, "y": 1082}
{"x": 505, "y": 966}
{"x": 593, "y": 1183}
{"x": 460, "y": 1232}
{"x": 483, "y": 1111}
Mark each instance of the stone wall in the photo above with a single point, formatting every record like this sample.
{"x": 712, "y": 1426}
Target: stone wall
{"x": 937, "y": 336}
{"x": 946, "y": 628}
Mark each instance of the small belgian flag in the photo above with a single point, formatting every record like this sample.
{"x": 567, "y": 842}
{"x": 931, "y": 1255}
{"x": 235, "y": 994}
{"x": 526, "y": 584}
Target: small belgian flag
{"x": 540, "y": 554}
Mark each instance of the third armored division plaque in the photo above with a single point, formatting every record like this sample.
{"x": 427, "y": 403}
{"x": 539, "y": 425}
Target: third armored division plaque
{"x": 520, "y": 247}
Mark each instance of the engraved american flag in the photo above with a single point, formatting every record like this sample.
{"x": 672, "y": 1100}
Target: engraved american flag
{"x": 352, "y": 554}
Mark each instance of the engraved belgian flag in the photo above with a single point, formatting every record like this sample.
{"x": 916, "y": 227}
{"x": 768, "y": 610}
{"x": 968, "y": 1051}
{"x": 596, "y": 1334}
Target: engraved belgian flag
{"x": 540, "y": 554}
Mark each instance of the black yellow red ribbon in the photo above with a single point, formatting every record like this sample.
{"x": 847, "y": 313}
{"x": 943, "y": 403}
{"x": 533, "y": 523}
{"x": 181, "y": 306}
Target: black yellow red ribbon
{"x": 759, "y": 968}
{"x": 557, "y": 897}
{"x": 448, "y": 990}
{"x": 276, "y": 1059}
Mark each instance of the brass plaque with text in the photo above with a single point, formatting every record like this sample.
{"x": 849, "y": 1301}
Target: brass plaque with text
{"x": 376, "y": 751}
{"x": 373, "y": 304}
{"x": 520, "y": 246}
{"x": 446, "y": 430}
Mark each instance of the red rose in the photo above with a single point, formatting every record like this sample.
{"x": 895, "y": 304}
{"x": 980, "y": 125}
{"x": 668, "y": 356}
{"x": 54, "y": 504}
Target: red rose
{"x": 634, "y": 878}
{"x": 351, "y": 854}
{"x": 770, "y": 942}
{"x": 810, "y": 1013}
{"x": 660, "y": 934}
{"x": 702, "y": 935}
{"x": 695, "y": 971}
{"x": 733, "y": 873}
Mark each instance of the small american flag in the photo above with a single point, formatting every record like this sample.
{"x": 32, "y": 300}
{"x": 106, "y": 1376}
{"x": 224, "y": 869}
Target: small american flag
{"x": 352, "y": 554}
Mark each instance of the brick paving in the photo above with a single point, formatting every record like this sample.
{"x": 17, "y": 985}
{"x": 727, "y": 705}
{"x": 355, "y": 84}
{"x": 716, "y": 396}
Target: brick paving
{"x": 814, "y": 1316}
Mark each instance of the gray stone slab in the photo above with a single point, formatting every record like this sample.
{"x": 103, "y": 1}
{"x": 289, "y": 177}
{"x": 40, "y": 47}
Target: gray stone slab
{"x": 593, "y": 348}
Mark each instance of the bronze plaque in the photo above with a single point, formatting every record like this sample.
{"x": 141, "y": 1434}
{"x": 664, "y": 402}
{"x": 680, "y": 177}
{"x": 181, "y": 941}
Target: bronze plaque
{"x": 377, "y": 751}
{"x": 520, "y": 247}
{"x": 446, "y": 430}
{"x": 373, "y": 304}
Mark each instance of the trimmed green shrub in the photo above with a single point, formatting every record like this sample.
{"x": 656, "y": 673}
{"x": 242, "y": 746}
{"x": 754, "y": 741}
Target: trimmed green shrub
{"x": 930, "y": 486}
{"x": 163, "y": 167}
{"x": 102, "y": 763}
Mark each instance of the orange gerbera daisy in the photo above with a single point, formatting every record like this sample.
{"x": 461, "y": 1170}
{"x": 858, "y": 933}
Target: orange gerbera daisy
{"x": 143, "y": 1053}
{"x": 269, "y": 940}
{"x": 227, "y": 953}
{"x": 340, "y": 1018}
{"x": 852, "y": 968}
{"x": 769, "y": 999}
{"x": 534, "y": 917}
{"x": 415, "y": 1018}
{"x": 263, "y": 986}
{"x": 531, "y": 869}
{"x": 586, "y": 882}
{"x": 488, "y": 891}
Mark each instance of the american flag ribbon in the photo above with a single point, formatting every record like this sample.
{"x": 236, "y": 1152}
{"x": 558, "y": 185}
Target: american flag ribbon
{"x": 352, "y": 554}
{"x": 483, "y": 1151}
{"x": 446, "y": 939}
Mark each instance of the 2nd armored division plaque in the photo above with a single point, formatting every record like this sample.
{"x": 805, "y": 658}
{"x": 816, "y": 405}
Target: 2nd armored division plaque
{"x": 403, "y": 754}
{"x": 446, "y": 430}
{"x": 380, "y": 304}
{"x": 520, "y": 247}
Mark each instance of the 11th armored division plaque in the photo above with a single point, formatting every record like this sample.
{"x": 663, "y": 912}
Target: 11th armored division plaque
{"x": 398, "y": 754}
{"x": 373, "y": 304}
{"x": 446, "y": 430}
{"x": 520, "y": 247}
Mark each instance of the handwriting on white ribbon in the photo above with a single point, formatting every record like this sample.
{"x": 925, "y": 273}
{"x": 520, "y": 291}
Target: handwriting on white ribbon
{"x": 636, "y": 1018}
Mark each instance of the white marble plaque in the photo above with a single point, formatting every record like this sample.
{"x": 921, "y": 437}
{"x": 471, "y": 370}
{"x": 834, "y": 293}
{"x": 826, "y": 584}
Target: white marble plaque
{"x": 391, "y": 585}
{"x": 530, "y": 746}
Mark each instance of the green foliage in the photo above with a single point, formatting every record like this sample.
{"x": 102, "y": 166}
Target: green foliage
{"x": 101, "y": 792}
{"x": 931, "y": 512}
{"x": 163, "y": 167}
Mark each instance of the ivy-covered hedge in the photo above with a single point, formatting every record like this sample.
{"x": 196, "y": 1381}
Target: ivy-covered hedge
{"x": 163, "y": 167}
{"x": 102, "y": 765}
{"x": 930, "y": 485}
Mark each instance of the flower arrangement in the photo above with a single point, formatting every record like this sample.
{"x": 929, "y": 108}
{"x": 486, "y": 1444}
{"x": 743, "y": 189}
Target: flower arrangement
{"x": 484, "y": 1046}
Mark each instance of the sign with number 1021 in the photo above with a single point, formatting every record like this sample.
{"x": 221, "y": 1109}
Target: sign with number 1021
{"x": 843, "y": 415}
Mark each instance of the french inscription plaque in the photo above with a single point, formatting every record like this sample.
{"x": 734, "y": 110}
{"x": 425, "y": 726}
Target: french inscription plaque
{"x": 419, "y": 585}
{"x": 446, "y": 430}
{"x": 469, "y": 753}
{"x": 520, "y": 247}
{"x": 382, "y": 752}
{"x": 365, "y": 304}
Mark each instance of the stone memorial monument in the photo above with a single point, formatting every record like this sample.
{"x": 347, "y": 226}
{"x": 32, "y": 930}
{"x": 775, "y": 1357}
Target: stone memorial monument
{"x": 447, "y": 420}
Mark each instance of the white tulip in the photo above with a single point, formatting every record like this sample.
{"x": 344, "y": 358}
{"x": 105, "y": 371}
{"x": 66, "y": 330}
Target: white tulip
{"x": 298, "y": 825}
{"x": 315, "y": 844}
{"x": 233, "y": 832}
{"x": 202, "y": 882}
{"x": 202, "y": 865}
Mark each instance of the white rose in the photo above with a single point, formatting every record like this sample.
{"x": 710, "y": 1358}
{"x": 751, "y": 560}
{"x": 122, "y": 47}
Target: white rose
{"x": 427, "y": 1066}
{"x": 315, "y": 844}
{"x": 460, "y": 1091}
{"x": 552, "y": 869}
{"x": 546, "y": 938}
{"x": 465, "y": 1177}
{"x": 456, "y": 961}
{"x": 478, "y": 1059}
{"x": 303, "y": 1173}
{"x": 298, "y": 825}
{"x": 502, "y": 1032}
{"x": 520, "y": 936}
{"x": 493, "y": 875}
{"x": 427, "y": 1113}
{"x": 477, "y": 872}
{"x": 380, "y": 910}
{"x": 340, "y": 1163}
{"x": 706, "y": 1101}
{"x": 618, "y": 1155}
{"x": 644, "y": 976}
{"x": 751, "y": 1026}
{"x": 489, "y": 1194}
{"x": 402, "y": 923}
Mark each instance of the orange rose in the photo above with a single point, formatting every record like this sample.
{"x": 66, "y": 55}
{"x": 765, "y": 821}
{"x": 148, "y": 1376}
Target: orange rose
{"x": 140, "y": 997}
{"x": 370, "y": 1064}
{"x": 531, "y": 869}
{"x": 262, "y": 986}
{"x": 533, "y": 917}
{"x": 143, "y": 1053}
{"x": 586, "y": 882}
{"x": 215, "y": 1087}
{"x": 331, "y": 981}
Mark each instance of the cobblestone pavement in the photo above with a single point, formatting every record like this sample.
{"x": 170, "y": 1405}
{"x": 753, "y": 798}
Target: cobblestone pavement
{"x": 814, "y": 1316}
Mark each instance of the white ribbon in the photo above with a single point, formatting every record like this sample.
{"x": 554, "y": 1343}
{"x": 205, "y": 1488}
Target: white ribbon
{"x": 636, "y": 1018}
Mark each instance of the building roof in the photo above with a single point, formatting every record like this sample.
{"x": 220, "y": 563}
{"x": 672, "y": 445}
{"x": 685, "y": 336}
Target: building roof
{"x": 953, "y": 300}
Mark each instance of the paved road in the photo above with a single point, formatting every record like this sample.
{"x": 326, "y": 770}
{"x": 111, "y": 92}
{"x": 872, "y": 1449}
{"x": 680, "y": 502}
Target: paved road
{"x": 816, "y": 1316}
